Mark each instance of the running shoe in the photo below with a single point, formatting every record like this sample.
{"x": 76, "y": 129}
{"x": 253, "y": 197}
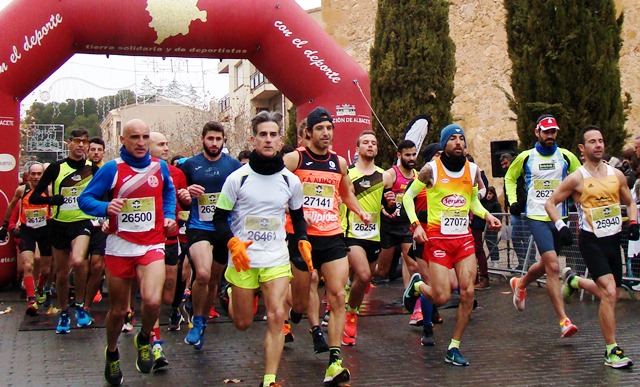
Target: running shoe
{"x": 416, "y": 318}
{"x": 41, "y": 296}
{"x": 336, "y": 373}
{"x": 48, "y": 297}
{"x": 455, "y": 357}
{"x": 351, "y": 325}
{"x": 144, "y": 362}
{"x": 348, "y": 340}
{"x": 175, "y": 319}
{"x": 82, "y": 317}
{"x": 159, "y": 359}
{"x": 98, "y": 297}
{"x": 127, "y": 327}
{"x": 325, "y": 319}
{"x": 427, "y": 339}
{"x": 319, "y": 343}
{"x": 567, "y": 329}
{"x": 187, "y": 310}
{"x": 32, "y": 309}
{"x": 567, "y": 289}
{"x": 195, "y": 336}
{"x": 617, "y": 359}
{"x": 213, "y": 313}
{"x": 288, "y": 335}
{"x": 112, "y": 374}
{"x": 519, "y": 295}
{"x": 295, "y": 317}
{"x": 410, "y": 294}
{"x": 63, "y": 323}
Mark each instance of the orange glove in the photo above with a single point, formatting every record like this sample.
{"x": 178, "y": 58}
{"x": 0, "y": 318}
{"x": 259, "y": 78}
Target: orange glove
{"x": 239, "y": 254}
{"x": 305, "y": 250}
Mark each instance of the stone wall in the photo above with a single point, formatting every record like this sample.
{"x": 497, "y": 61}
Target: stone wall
{"x": 482, "y": 62}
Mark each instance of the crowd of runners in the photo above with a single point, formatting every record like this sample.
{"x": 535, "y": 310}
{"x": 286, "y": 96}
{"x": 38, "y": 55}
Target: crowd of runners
{"x": 275, "y": 222}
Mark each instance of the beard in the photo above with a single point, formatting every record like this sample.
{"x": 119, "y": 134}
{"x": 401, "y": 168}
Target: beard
{"x": 210, "y": 153}
{"x": 406, "y": 165}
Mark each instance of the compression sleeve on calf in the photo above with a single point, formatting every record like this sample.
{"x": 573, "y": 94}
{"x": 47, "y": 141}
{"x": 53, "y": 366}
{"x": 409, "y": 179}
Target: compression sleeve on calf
{"x": 407, "y": 200}
{"x": 221, "y": 224}
{"x": 476, "y": 207}
{"x": 299, "y": 224}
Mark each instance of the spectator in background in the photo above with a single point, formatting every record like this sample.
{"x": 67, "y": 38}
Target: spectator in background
{"x": 490, "y": 202}
{"x": 175, "y": 160}
{"x": 243, "y": 156}
{"x": 287, "y": 149}
{"x": 518, "y": 226}
{"x": 629, "y": 166}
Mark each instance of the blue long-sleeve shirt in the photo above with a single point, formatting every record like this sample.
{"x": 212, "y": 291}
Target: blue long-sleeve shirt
{"x": 103, "y": 182}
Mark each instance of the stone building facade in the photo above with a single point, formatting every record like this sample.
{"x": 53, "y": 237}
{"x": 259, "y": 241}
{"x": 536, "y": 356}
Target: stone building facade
{"x": 482, "y": 63}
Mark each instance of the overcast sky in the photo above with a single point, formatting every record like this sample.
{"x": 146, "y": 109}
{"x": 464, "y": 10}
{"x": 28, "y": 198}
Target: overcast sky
{"x": 85, "y": 76}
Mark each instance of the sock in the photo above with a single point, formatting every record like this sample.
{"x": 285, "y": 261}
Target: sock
{"x": 574, "y": 283}
{"x": 334, "y": 354}
{"x": 143, "y": 338}
{"x": 454, "y": 344}
{"x": 350, "y": 309}
{"x": 29, "y": 286}
{"x": 458, "y": 289}
{"x": 113, "y": 356}
{"x": 610, "y": 347}
{"x": 314, "y": 329}
{"x": 80, "y": 305}
{"x": 156, "y": 334}
{"x": 563, "y": 320}
{"x": 427, "y": 310}
{"x": 416, "y": 287}
{"x": 65, "y": 313}
{"x": 268, "y": 379}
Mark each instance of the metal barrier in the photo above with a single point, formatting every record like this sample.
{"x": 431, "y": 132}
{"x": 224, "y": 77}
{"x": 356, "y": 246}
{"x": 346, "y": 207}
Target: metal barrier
{"x": 511, "y": 250}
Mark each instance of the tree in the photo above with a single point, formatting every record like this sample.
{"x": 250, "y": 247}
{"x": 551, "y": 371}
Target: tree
{"x": 565, "y": 62}
{"x": 291, "y": 136}
{"x": 412, "y": 69}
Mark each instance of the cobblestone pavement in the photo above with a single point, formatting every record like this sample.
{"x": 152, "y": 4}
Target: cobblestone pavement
{"x": 505, "y": 347}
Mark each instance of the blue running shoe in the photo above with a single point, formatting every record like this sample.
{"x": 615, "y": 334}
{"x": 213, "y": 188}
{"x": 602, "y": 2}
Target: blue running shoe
{"x": 47, "y": 301}
{"x": 410, "y": 295}
{"x": 63, "y": 323}
{"x": 82, "y": 317}
{"x": 195, "y": 336}
{"x": 455, "y": 357}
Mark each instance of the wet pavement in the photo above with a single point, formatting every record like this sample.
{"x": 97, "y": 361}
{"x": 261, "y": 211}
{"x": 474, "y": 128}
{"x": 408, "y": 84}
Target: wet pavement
{"x": 505, "y": 347}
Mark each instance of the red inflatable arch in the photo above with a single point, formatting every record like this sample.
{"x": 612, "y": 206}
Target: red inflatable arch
{"x": 277, "y": 36}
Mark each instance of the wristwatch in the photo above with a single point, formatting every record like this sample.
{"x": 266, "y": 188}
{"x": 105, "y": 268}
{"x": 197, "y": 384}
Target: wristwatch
{"x": 414, "y": 225}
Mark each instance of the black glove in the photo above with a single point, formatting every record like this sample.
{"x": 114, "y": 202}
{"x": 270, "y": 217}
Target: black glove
{"x": 57, "y": 200}
{"x": 515, "y": 209}
{"x": 634, "y": 231}
{"x": 3, "y": 233}
{"x": 565, "y": 236}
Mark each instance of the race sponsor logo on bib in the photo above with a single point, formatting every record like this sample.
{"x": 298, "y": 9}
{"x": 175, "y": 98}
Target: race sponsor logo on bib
{"x": 607, "y": 220}
{"x": 207, "y": 206}
{"x": 454, "y": 222}
{"x": 137, "y": 215}
{"x": 36, "y": 218}
{"x": 261, "y": 229}
{"x": 70, "y": 195}
{"x": 361, "y": 230}
{"x": 544, "y": 188}
{"x": 319, "y": 196}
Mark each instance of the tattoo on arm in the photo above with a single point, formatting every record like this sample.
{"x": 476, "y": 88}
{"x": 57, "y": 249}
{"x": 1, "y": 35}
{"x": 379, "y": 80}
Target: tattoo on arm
{"x": 426, "y": 174}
